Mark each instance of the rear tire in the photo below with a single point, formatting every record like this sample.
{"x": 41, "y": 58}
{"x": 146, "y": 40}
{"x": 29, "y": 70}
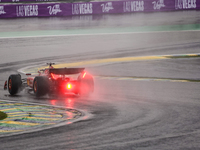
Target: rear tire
{"x": 14, "y": 84}
{"x": 41, "y": 86}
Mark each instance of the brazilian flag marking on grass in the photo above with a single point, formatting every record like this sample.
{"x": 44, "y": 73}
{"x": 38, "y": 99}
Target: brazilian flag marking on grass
{"x": 19, "y": 117}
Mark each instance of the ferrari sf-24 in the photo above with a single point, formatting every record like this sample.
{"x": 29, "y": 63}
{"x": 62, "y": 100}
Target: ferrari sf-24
{"x": 52, "y": 81}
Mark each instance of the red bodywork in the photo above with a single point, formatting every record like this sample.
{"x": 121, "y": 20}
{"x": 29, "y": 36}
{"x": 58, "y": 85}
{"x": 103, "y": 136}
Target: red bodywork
{"x": 52, "y": 81}
{"x": 63, "y": 80}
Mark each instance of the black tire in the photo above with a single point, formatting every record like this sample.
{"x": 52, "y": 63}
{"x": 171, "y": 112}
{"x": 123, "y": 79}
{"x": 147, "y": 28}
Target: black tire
{"x": 41, "y": 86}
{"x": 14, "y": 84}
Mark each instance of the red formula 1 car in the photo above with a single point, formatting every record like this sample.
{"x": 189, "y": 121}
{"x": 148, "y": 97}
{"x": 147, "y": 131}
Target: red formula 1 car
{"x": 53, "y": 81}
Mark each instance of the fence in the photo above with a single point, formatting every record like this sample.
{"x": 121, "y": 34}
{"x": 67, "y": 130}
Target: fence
{"x": 48, "y": 9}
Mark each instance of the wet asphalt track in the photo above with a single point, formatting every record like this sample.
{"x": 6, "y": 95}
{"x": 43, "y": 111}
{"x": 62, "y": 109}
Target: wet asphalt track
{"x": 127, "y": 114}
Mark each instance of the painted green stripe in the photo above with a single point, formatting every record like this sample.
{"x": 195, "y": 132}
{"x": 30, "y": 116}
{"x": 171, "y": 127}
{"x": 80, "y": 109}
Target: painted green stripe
{"x": 183, "y": 56}
{"x": 41, "y": 120}
{"x": 35, "y": 110}
{"x": 12, "y": 126}
{"x": 12, "y": 113}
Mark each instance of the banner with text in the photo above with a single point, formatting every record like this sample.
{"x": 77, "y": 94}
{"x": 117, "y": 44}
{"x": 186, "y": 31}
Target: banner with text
{"x": 103, "y": 7}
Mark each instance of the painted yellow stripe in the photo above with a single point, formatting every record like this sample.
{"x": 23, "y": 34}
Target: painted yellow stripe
{"x": 7, "y": 109}
{"x": 7, "y": 131}
{"x": 31, "y": 111}
{"x": 110, "y": 60}
{"x": 20, "y": 123}
{"x": 42, "y": 118}
{"x": 99, "y": 61}
{"x": 15, "y": 113}
{"x": 31, "y": 106}
{"x": 192, "y": 55}
{"x": 11, "y": 119}
{"x": 19, "y": 104}
{"x": 184, "y": 81}
{"x": 19, "y": 115}
{"x": 179, "y": 81}
{"x": 7, "y": 104}
{"x": 137, "y": 79}
{"x": 44, "y": 112}
{"x": 49, "y": 123}
{"x": 40, "y": 109}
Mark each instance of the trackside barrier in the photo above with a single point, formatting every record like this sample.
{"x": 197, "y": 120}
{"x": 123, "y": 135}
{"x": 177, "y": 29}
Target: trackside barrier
{"x": 103, "y": 7}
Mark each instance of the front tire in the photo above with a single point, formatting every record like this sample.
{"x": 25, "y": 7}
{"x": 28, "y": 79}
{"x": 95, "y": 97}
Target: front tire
{"x": 41, "y": 86}
{"x": 14, "y": 84}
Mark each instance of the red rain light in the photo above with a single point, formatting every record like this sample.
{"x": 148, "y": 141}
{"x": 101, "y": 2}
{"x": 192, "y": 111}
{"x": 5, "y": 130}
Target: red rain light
{"x": 69, "y": 86}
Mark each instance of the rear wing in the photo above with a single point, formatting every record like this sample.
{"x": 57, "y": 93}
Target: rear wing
{"x": 65, "y": 71}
